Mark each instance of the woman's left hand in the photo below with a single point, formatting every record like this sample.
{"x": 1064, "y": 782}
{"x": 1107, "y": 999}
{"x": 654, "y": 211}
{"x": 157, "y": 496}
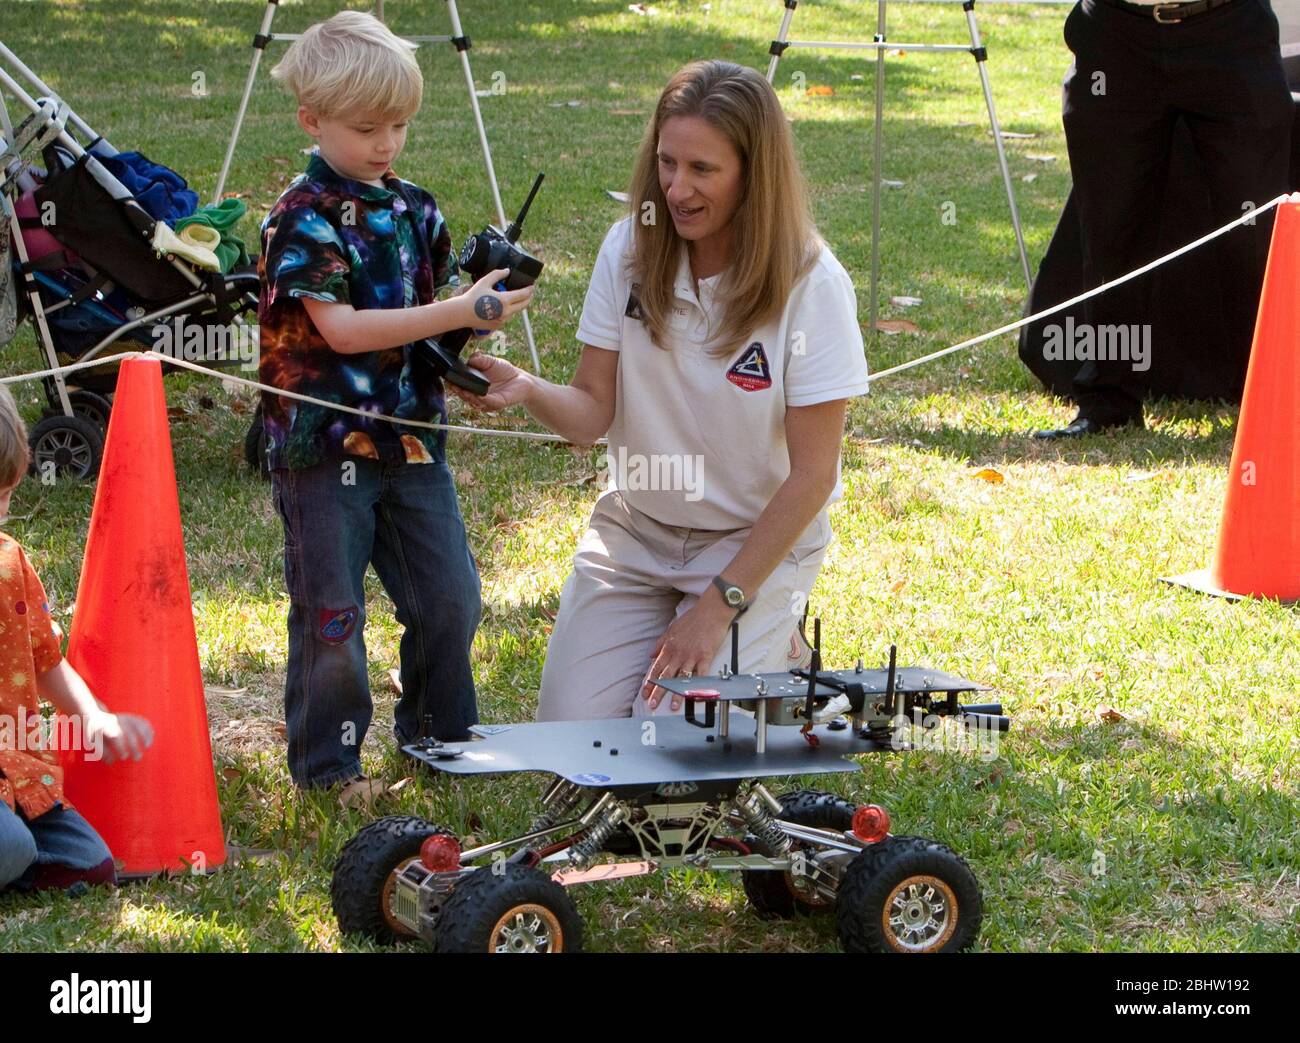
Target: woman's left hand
{"x": 687, "y": 647}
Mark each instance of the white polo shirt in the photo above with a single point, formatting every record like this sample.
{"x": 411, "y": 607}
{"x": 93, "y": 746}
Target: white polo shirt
{"x": 698, "y": 440}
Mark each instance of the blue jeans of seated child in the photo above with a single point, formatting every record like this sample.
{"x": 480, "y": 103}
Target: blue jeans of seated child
{"x": 59, "y": 837}
{"x": 403, "y": 518}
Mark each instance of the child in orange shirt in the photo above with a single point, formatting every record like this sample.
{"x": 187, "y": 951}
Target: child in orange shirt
{"x": 44, "y": 843}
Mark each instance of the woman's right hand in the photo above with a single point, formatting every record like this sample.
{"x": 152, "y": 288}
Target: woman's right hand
{"x": 490, "y": 308}
{"x": 510, "y": 384}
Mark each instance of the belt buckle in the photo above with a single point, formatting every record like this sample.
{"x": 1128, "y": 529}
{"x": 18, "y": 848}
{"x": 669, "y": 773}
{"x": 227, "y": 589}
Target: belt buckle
{"x": 1155, "y": 13}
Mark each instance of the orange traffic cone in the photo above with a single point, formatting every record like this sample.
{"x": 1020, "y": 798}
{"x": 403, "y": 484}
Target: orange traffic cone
{"x": 133, "y": 641}
{"x": 1258, "y": 551}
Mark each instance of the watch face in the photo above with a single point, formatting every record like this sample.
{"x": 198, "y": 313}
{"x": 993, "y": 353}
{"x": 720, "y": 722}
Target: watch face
{"x": 735, "y": 596}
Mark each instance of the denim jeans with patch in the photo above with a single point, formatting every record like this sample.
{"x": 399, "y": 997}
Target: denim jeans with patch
{"x": 59, "y": 837}
{"x": 340, "y": 516}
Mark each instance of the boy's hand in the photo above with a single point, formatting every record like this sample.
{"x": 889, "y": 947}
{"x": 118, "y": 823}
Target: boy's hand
{"x": 492, "y": 308}
{"x": 510, "y": 384}
{"x": 120, "y": 735}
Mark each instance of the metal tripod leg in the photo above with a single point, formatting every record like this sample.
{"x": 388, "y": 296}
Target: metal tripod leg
{"x": 259, "y": 45}
{"x": 980, "y": 58}
{"x": 877, "y": 163}
{"x": 463, "y": 51}
{"x": 778, "y": 45}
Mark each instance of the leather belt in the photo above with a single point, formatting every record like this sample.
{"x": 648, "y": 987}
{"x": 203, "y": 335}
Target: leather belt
{"x": 1168, "y": 14}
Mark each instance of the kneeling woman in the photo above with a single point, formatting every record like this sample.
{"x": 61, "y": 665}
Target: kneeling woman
{"x": 721, "y": 345}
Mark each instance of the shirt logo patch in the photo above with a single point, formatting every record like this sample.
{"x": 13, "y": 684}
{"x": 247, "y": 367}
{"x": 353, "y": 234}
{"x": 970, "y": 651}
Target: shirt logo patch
{"x": 751, "y": 372}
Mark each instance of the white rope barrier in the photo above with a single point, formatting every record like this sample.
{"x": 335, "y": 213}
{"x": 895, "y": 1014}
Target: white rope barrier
{"x": 1246, "y": 218}
{"x": 539, "y": 436}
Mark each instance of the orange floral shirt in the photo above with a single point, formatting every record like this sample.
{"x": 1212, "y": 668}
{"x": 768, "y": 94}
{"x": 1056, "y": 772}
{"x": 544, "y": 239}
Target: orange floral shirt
{"x": 31, "y": 780}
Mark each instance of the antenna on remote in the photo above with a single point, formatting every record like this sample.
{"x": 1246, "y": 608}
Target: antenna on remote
{"x": 517, "y": 225}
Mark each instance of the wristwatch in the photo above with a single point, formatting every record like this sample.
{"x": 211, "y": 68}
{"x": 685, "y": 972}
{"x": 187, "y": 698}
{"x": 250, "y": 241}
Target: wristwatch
{"x": 731, "y": 594}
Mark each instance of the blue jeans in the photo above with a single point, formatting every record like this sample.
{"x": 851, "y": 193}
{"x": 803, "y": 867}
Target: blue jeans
{"x": 59, "y": 837}
{"x": 403, "y": 518}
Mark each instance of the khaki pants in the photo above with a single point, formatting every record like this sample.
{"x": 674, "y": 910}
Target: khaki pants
{"x": 631, "y": 577}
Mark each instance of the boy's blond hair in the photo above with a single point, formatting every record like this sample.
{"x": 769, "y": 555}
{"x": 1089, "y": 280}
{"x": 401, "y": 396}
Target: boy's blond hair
{"x": 353, "y": 65}
{"x": 13, "y": 441}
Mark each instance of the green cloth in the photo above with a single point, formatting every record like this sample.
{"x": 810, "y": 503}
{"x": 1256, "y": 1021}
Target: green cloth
{"x": 223, "y": 217}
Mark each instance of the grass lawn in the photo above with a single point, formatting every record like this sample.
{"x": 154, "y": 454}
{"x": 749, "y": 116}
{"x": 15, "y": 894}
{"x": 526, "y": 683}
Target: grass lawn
{"x": 1168, "y": 825}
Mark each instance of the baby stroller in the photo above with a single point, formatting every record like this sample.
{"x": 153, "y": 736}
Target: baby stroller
{"x": 96, "y": 273}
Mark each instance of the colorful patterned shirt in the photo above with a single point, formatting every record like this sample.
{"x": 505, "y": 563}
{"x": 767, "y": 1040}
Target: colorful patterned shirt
{"x": 334, "y": 239}
{"x": 31, "y": 780}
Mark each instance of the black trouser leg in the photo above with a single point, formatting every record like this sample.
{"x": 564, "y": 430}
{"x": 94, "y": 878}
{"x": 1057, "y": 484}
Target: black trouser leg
{"x": 1240, "y": 118}
{"x": 1118, "y": 130}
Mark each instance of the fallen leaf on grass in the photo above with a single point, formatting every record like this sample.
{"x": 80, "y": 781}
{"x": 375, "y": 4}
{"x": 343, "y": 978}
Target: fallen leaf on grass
{"x": 281, "y": 731}
{"x": 223, "y": 691}
{"x": 585, "y": 479}
{"x": 894, "y": 588}
{"x": 1109, "y": 714}
{"x": 400, "y": 785}
{"x": 1030, "y": 177}
{"x": 238, "y": 854}
{"x": 231, "y": 774}
{"x": 987, "y": 474}
{"x": 893, "y": 326}
{"x": 360, "y": 795}
{"x": 618, "y": 197}
{"x": 820, "y": 91}
{"x": 905, "y": 302}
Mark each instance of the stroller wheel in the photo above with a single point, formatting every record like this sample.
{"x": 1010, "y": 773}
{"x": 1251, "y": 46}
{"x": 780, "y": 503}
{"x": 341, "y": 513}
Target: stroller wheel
{"x": 92, "y": 407}
{"x": 66, "y": 447}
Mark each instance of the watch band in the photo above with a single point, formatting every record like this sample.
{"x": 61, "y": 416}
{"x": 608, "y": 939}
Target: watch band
{"x": 726, "y": 587}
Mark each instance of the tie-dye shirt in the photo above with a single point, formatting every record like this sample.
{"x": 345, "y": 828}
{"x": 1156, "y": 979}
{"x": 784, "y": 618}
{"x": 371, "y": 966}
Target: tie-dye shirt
{"x": 31, "y": 780}
{"x": 334, "y": 239}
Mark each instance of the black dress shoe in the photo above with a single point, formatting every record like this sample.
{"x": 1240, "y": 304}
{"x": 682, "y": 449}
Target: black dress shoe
{"x": 1085, "y": 425}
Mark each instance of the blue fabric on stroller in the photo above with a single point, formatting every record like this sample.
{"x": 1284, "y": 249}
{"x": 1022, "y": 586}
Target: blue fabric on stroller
{"x": 164, "y": 194}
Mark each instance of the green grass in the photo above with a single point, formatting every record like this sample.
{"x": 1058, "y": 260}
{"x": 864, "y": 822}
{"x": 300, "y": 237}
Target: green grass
{"x": 1045, "y": 586}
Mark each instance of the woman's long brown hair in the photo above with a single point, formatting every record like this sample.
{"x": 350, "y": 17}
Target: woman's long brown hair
{"x": 775, "y": 241}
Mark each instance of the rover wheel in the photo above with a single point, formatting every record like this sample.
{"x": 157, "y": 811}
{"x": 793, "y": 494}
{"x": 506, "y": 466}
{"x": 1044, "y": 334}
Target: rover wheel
{"x": 775, "y": 894}
{"x": 519, "y": 910}
{"x": 366, "y": 873}
{"x": 66, "y": 446}
{"x": 908, "y": 894}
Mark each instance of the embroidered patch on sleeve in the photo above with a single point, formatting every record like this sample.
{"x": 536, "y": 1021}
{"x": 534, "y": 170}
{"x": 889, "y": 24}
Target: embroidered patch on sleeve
{"x": 337, "y": 624}
{"x": 751, "y": 372}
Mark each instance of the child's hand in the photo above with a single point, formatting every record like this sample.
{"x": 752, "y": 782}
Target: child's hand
{"x": 493, "y": 308}
{"x": 510, "y": 384}
{"x": 118, "y": 735}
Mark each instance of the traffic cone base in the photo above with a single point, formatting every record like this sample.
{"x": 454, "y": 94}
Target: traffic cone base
{"x": 133, "y": 641}
{"x": 1257, "y": 553}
